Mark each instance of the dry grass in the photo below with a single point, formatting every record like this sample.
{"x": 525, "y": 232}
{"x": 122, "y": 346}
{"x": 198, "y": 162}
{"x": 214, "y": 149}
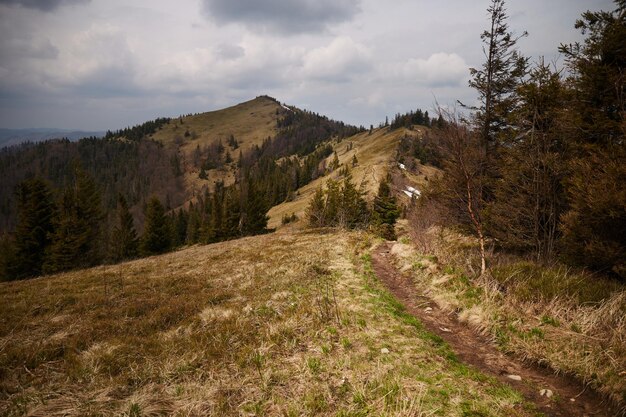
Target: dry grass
{"x": 286, "y": 324}
{"x": 374, "y": 153}
{"x": 572, "y": 322}
{"x": 250, "y": 122}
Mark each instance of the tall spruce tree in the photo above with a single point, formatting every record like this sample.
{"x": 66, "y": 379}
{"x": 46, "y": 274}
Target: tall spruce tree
{"x": 157, "y": 235}
{"x": 180, "y": 223}
{"x": 69, "y": 239}
{"x": 36, "y": 211}
{"x": 255, "y": 211}
{"x": 231, "y": 226}
{"x": 597, "y": 76}
{"x": 77, "y": 240}
{"x": 594, "y": 228}
{"x": 385, "y": 211}
{"x": 214, "y": 228}
{"x": 529, "y": 198}
{"x": 124, "y": 241}
{"x": 498, "y": 77}
{"x": 193, "y": 225}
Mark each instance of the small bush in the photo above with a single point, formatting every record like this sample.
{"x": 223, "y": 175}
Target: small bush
{"x": 289, "y": 218}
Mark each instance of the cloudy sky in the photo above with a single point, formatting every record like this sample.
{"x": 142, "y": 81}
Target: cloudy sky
{"x": 106, "y": 64}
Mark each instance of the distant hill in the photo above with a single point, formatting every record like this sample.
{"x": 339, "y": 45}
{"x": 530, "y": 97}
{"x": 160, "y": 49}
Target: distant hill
{"x": 178, "y": 159}
{"x": 9, "y": 137}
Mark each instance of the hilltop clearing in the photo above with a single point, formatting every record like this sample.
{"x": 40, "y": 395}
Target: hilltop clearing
{"x": 244, "y": 126}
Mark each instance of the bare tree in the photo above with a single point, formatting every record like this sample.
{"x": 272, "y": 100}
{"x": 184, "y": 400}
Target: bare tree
{"x": 463, "y": 154}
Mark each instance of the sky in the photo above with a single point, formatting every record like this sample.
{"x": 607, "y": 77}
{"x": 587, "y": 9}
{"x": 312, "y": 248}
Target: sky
{"x": 108, "y": 64}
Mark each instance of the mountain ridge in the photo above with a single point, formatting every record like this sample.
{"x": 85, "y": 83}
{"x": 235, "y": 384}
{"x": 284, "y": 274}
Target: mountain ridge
{"x": 11, "y": 137}
{"x": 182, "y": 159}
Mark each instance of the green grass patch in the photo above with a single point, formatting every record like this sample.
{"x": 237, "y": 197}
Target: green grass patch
{"x": 528, "y": 281}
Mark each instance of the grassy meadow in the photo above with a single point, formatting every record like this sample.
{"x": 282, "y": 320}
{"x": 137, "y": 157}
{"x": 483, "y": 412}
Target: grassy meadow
{"x": 288, "y": 324}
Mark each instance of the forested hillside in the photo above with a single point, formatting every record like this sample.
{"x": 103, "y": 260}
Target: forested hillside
{"x": 198, "y": 178}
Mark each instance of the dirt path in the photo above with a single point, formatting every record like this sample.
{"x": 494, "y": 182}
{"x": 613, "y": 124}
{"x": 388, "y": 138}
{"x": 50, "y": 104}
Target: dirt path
{"x": 569, "y": 399}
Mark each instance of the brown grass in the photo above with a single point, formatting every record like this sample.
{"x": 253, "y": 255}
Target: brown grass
{"x": 283, "y": 324}
{"x": 375, "y": 154}
{"x": 250, "y": 122}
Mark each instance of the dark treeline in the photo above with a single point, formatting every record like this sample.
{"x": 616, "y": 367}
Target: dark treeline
{"x": 301, "y": 131}
{"x": 540, "y": 167}
{"x": 417, "y": 117}
{"x": 138, "y": 132}
{"x": 134, "y": 169}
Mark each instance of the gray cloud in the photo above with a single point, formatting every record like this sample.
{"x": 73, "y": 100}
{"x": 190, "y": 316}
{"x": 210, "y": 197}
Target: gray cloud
{"x": 43, "y": 5}
{"x": 113, "y": 63}
{"x": 104, "y": 82}
{"x": 282, "y": 16}
{"x": 339, "y": 61}
{"x": 27, "y": 48}
{"x": 228, "y": 51}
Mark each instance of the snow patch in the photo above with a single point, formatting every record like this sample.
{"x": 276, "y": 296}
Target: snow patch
{"x": 402, "y": 166}
{"x": 412, "y": 192}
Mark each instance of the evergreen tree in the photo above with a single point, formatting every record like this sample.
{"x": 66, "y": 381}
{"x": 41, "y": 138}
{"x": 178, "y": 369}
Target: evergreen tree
{"x": 597, "y": 76}
{"x": 315, "y": 210}
{"x": 124, "y": 241}
{"x": 529, "y": 198}
{"x": 193, "y": 225}
{"x": 90, "y": 209}
{"x": 498, "y": 78}
{"x": 231, "y": 227}
{"x": 7, "y": 257}
{"x": 214, "y": 229}
{"x": 68, "y": 237}
{"x": 77, "y": 240}
{"x": 255, "y": 211}
{"x": 180, "y": 225}
{"x": 36, "y": 212}
{"x": 594, "y": 227}
{"x": 352, "y": 211}
{"x": 156, "y": 237}
{"x": 385, "y": 211}
{"x": 332, "y": 202}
